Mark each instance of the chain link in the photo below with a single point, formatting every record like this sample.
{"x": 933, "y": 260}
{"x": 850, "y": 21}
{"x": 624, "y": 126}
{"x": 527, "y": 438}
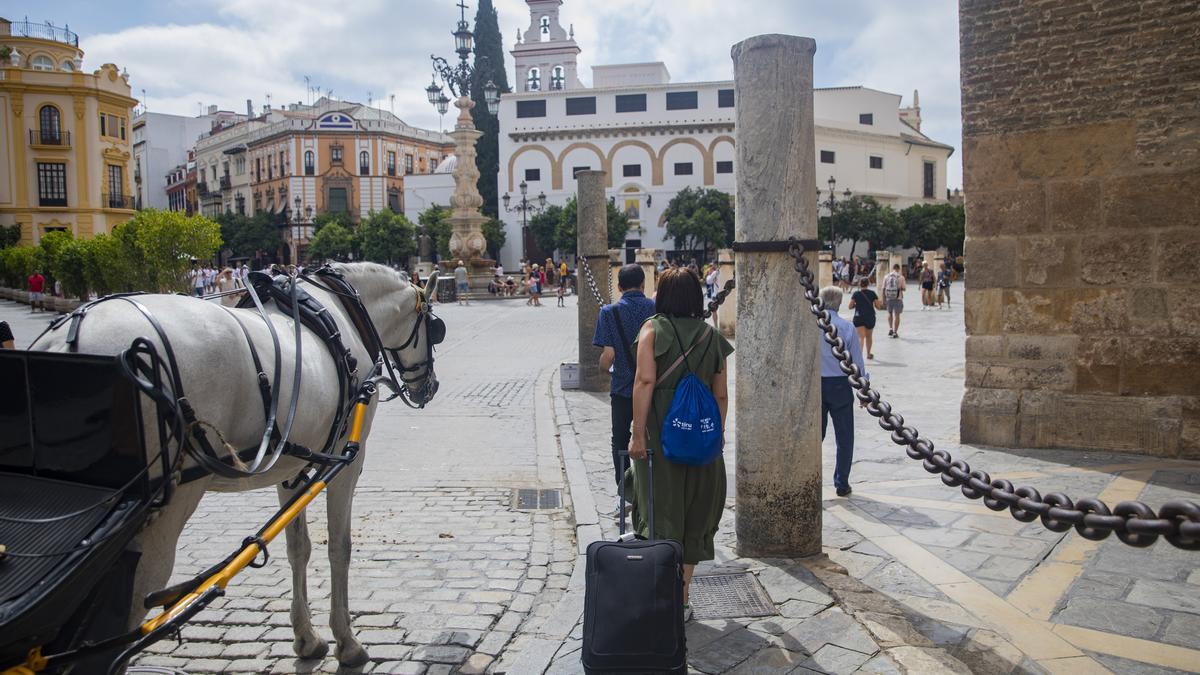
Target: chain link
{"x": 591, "y": 280}
{"x": 1134, "y": 522}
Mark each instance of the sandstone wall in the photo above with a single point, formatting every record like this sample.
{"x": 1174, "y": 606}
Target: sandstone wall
{"x": 1081, "y": 151}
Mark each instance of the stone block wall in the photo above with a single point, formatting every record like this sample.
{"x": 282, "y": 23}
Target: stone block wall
{"x": 1081, "y": 152}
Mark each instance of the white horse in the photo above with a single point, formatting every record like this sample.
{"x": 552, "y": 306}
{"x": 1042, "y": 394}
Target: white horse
{"x": 218, "y": 377}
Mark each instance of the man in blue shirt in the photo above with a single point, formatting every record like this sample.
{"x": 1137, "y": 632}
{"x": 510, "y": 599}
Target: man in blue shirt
{"x": 837, "y": 398}
{"x": 616, "y": 329}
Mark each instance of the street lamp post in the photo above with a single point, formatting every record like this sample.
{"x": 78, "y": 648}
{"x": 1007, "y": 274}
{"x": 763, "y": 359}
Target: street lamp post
{"x": 525, "y": 207}
{"x": 832, "y": 203}
{"x": 466, "y": 239}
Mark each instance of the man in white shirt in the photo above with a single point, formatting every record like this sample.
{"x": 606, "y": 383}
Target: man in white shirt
{"x": 837, "y": 396}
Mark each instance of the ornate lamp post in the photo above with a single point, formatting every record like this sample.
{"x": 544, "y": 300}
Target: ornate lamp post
{"x": 466, "y": 238}
{"x": 525, "y": 207}
{"x": 832, "y": 203}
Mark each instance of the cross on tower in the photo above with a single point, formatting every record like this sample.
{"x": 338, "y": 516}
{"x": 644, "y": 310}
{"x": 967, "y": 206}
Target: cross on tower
{"x": 462, "y": 6}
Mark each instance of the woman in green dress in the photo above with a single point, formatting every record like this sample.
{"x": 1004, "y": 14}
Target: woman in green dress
{"x": 688, "y": 500}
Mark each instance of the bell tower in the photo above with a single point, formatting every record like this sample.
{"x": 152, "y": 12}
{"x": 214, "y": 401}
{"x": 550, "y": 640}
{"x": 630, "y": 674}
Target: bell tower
{"x": 545, "y": 54}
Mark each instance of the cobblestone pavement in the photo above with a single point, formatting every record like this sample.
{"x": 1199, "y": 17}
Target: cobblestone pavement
{"x": 919, "y": 578}
{"x": 445, "y": 570}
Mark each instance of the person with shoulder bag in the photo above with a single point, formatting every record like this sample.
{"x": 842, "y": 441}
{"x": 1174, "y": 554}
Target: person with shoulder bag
{"x": 680, "y": 402}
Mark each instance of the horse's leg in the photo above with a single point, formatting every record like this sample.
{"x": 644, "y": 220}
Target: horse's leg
{"x": 340, "y": 500}
{"x": 157, "y": 543}
{"x": 308, "y": 645}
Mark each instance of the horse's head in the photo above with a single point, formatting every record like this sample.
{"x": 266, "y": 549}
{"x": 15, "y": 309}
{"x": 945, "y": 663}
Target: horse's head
{"x": 408, "y": 329}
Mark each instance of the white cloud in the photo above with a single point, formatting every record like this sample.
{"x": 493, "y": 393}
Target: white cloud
{"x": 254, "y": 47}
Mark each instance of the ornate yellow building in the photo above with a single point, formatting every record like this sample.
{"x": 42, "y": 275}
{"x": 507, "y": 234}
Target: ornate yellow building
{"x": 64, "y": 135}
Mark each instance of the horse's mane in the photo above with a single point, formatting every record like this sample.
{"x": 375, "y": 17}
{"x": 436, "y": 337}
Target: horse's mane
{"x": 372, "y": 279}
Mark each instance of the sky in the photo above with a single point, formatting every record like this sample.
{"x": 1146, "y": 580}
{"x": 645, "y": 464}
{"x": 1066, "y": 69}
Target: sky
{"x": 188, "y": 54}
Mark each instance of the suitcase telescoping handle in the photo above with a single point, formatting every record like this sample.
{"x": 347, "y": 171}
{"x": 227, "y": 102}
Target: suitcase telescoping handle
{"x": 650, "y": 475}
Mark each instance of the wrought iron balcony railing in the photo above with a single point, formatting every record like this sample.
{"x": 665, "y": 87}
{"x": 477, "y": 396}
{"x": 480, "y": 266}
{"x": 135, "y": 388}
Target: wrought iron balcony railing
{"x": 45, "y": 31}
{"x": 118, "y": 201}
{"x": 50, "y": 137}
{"x": 225, "y": 183}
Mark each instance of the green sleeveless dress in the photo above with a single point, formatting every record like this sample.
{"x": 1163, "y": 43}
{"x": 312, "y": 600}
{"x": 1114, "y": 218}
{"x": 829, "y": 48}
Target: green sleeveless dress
{"x": 688, "y": 500}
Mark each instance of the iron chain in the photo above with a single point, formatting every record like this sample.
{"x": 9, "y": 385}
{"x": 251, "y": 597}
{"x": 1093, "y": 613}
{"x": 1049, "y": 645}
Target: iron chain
{"x": 1134, "y": 522}
{"x": 591, "y": 280}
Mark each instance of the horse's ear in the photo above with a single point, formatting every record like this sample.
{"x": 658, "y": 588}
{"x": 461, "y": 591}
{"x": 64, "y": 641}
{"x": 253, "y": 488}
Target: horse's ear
{"x": 430, "y": 286}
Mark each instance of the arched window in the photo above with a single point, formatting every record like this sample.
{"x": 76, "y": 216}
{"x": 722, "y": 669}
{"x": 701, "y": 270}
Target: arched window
{"x": 309, "y": 167}
{"x": 559, "y": 79}
{"x": 364, "y": 163}
{"x": 42, "y": 62}
{"x": 68, "y": 66}
{"x": 534, "y": 81}
{"x": 50, "y": 123}
{"x": 545, "y": 24}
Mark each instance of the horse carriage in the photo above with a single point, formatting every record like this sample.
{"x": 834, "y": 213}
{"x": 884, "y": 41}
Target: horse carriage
{"x": 104, "y": 455}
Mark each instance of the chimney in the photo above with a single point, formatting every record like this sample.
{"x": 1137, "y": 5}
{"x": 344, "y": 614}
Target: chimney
{"x": 212, "y": 109}
{"x": 249, "y": 108}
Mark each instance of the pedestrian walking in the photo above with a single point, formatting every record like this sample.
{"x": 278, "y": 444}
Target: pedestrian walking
{"x": 926, "y": 278}
{"x": 837, "y": 398}
{"x": 864, "y": 302}
{"x": 196, "y": 277}
{"x": 37, "y": 288}
{"x": 616, "y": 329}
{"x": 689, "y": 499}
{"x": 7, "y": 341}
{"x": 562, "y": 293}
{"x": 894, "y": 286}
{"x": 461, "y": 287}
{"x": 943, "y": 286}
{"x": 710, "y": 281}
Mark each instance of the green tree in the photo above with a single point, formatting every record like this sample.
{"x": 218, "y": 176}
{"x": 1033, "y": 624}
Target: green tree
{"x": 567, "y": 235}
{"x": 544, "y": 227}
{"x": 489, "y": 66}
{"x": 493, "y": 232}
{"x": 250, "y": 235}
{"x": 48, "y": 249}
{"x": 169, "y": 241}
{"x": 10, "y": 235}
{"x": 16, "y": 264}
{"x": 700, "y": 219}
{"x": 340, "y": 217}
{"x": 70, "y": 267}
{"x": 333, "y": 242}
{"x": 435, "y": 224}
{"x": 863, "y": 219}
{"x": 102, "y": 266}
{"x": 931, "y": 226}
{"x": 387, "y": 237}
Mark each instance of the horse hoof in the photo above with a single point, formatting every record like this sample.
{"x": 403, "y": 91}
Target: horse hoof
{"x": 353, "y": 656}
{"x": 310, "y": 648}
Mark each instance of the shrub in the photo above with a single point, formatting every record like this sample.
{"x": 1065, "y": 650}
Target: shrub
{"x": 70, "y": 267}
{"x": 16, "y": 264}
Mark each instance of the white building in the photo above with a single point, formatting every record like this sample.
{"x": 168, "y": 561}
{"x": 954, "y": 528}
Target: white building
{"x": 222, "y": 170}
{"x": 422, "y": 191}
{"x": 161, "y": 143}
{"x": 655, "y": 138}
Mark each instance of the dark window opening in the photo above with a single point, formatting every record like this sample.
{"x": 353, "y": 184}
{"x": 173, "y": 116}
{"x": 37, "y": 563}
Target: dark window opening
{"x": 309, "y": 168}
{"x": 531, "y": 108}
{"x": 391, "y": 163}
{"x": 631, "y": 103}
{"x": 338, "y": 203}
{"x": 585, "y": 105}
{"x": 724, "y": 98}
{"x": 827, "y": 157}
{"x": 631, "y": 170}
{"x": 866, "y": 118}
{"x": 408, "y": 164}
{"x": 683, "y": 168}
{"x": 533, "y": 175}
{"x": 394, "y": 202}
{"x": 682, "y": 100}
{"x": 929, "y": 169}
{"x": 51, "y": 125}
{"x": 52, "y": 184}
{"x": 725, "y": 167}
{"x": 335, "y": 154}
{"x": 876, "y": 162}
{"x": 364, "y": 163}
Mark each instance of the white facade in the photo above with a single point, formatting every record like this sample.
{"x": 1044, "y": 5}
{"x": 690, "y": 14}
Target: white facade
{"x": 422, "y": 191}
{"x": 161, "y": 143}
{"x": 221, "y": 153}
{"x": 655, "y": 138}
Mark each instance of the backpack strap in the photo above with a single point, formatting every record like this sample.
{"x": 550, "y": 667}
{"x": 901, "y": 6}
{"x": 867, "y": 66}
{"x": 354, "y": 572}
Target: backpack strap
{"x": 683, "y": 357}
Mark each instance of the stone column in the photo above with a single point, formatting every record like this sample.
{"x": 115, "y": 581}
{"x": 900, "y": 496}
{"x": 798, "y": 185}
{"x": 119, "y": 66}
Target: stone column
{"x": 645, "y": 259}
{"x": 466, "y": 222}
{"x": 778, "y": 376}
{"x": 728, "y": 312}
{"x": 883, "y": 265}
{"x": 825, "y": 268}
{"x": 615, "y": 260}
{"x": 931, "y": 260}
{"x": 592, "y": 242}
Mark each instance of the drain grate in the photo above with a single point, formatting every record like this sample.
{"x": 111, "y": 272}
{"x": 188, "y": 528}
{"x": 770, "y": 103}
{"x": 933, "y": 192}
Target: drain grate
{"x": 526, "y": 499}
{"x": 729, "y": 596}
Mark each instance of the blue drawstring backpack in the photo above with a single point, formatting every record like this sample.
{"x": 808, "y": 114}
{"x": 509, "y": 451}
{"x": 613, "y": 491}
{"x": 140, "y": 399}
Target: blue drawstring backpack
{"x": 691, "y": 430}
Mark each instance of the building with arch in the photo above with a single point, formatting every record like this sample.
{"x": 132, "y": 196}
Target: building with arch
{"x": 655, "y": 137}
{"x": 65, "y": 148}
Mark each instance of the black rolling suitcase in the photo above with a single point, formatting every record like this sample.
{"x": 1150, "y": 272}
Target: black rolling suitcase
{"x": 633, "y": 603}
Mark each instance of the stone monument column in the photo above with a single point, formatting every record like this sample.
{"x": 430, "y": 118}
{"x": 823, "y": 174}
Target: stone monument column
{"x": 615, "y": 260}
{"x": 592, "y": 251}
{"x": 779, "y": 428}
{"x": 825, "y": 268}
{"x": 728, "y": 312}
{"x": 883, "y": 265}
{"x": 466, "y": 222}
{"x": 645, "y": 259}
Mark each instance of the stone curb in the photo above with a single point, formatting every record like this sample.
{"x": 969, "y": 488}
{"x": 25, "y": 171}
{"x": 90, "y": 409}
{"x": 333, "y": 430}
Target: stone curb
{"x": 539, "y": 652}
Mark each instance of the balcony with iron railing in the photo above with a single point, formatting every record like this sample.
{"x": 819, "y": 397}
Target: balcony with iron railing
{"x": 225, "y": 183}
{"x": 50, "y": 137}
{"x": 115, "y": 201}
{"x": 44, "y": 31}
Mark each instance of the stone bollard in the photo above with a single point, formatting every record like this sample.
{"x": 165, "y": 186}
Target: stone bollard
{"x": 615, "y": 260}
{"x": 778, "y": 372}
{"x": 825, "y": 268}
{"x": 883, "y": 265}
{"x": 592, "y": 242}
{"x": 728, "y": 312}
{"x": 645, "y": 259}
